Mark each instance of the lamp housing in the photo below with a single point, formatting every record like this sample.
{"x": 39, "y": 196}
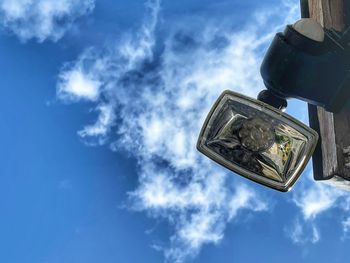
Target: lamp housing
{"x": 257, "y": 141}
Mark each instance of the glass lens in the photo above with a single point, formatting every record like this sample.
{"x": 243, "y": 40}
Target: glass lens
{"x": 257, "y": 141}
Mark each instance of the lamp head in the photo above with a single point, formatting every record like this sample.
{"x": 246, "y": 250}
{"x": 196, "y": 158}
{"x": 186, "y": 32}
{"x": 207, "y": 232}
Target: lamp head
{"x": 254, "y": 138}
{"x": 256, "y": 141}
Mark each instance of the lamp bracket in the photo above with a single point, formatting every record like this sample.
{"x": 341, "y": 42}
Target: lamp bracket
{"x": 296, "y": 66}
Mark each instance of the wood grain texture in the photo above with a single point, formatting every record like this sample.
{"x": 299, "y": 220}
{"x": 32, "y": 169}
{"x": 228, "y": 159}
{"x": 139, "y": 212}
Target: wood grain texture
{"x": 328, "y": 12}
{"x": 334, "y": 129}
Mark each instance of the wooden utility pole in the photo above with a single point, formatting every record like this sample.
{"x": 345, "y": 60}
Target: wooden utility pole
{"x": 332, "y": 157}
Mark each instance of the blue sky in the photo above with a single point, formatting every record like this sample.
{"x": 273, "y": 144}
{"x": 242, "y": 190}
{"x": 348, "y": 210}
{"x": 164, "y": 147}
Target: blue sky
{"x": 101, "y": 105}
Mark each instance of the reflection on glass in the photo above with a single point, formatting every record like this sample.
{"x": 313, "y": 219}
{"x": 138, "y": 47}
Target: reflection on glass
{"x": 257, "y": 140}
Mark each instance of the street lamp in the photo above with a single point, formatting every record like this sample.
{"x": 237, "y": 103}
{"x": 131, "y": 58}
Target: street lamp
{"x": 255, "y": 138}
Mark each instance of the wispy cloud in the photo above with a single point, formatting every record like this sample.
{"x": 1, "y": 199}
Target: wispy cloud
{"x": 42, "y": 19}
{"x": 346, "y": 227}
{"x": 314, "y": 200}
{"x": 301, "y": 233}
{"x": 317, "y": 199}
{"x": 153, "y": 98}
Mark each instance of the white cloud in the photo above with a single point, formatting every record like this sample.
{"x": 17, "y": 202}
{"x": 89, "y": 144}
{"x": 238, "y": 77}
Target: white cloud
{"x": 160, "y": 102}
{"x": 301, "y": 233}
{"x": 102, "y": 126}
{"x": 78, "y": 85}
{"x": 42, "y": 19}
{"x": 346, "y": 225}
{"x": 315, "y": 199}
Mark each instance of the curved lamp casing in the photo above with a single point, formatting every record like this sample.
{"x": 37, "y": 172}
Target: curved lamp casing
{"x": 257, "y": 141}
